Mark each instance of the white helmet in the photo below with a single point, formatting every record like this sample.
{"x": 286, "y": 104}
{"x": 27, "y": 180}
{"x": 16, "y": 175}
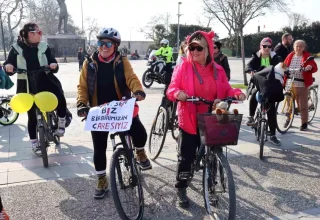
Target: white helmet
{"x": 109, "y": 33}
{"x": 164, "y": 41}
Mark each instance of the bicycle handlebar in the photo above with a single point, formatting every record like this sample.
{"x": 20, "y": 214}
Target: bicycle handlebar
{"x": 24, "y": 71}
{"x": 229, "y": 100}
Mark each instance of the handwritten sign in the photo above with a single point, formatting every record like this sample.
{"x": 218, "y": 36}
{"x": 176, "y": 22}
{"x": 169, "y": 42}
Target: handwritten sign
{"x": 114, "y": 116}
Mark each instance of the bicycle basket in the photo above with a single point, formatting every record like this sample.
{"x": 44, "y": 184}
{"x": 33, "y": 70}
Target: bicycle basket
{"x": 219, "y": 130}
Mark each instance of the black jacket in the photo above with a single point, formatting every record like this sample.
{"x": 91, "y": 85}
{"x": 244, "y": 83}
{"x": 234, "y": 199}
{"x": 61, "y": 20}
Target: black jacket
{"x": 44, "y": 82}
{"x": 222, "y": 60}
{"x": 255, "y": 63}
{"x": 282, "y": 51}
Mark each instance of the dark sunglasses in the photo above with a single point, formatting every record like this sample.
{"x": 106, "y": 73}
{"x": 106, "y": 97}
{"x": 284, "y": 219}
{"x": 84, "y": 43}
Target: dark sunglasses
{"x": 198, "y": 48}
{"x": 38, "y": 32}
{"x": 215, "y": 47}
{"x": 107, "y": 44}
{"x": 267, "y": 46}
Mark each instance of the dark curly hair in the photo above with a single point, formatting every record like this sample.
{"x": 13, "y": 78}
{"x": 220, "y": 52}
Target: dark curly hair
{"x": 26, "y": 29}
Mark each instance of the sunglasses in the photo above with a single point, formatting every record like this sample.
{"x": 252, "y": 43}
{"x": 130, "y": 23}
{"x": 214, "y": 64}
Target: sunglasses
{"x": 107, "y": 44}
{"x": 198, "y": 48}
{"x": 38, "y": 32}
{"x": 215, "y": 47}
{"x": 267, "y": 46}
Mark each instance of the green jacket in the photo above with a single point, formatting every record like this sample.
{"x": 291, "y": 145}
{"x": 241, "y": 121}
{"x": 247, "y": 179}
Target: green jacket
{"x": 165, "y": 52}
{"x": 5, "y": 81}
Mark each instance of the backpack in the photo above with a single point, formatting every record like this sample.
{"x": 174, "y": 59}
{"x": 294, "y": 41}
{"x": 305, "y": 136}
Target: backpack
{"x": 268, "y": 85}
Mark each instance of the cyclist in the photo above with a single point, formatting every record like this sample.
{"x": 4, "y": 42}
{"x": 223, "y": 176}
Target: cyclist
{"x": 166, "y": 52}
{"x": 302, "y": 79}
{"x": 31, "y": 53}
{"x": 263, "y": 58}
{"x": 107, "y": 76}
{"x": 196, "y": 76}
{"x": 221, "y": 58}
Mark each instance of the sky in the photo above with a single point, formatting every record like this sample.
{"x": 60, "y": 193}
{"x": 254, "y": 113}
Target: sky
{"x": 128, "y": 16}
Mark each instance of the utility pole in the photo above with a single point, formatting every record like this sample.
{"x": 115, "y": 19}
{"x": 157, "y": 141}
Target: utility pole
{"x": 2, "y": 35}
{"x": 82, "y": 16}
{"x": 178, "y": 37}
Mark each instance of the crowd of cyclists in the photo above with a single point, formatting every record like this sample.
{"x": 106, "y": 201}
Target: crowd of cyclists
{"x": 202, "y": 70}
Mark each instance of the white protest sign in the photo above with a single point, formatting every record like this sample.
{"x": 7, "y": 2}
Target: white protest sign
{"x": 114, "y": 116}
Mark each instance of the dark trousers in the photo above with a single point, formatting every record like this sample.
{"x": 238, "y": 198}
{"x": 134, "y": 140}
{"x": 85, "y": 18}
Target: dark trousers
{"x": 272, "y": 114}
{"x": 137, "y": 132}
{"x": 167, "y": 77}
{"x": 188, "y": 144}
{"x": 80, "y": 65}
{"x": 61, "y": 110}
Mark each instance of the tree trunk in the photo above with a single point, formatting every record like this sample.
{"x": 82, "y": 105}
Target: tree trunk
{"x": 245, "y": 81}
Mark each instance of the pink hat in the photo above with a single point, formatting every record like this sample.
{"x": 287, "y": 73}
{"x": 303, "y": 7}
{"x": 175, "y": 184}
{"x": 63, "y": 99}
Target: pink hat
{"x": 266, "y": 39}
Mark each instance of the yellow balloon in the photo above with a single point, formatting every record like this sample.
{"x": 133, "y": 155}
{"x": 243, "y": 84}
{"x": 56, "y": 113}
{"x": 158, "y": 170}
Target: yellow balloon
{"x": 46, "y": 101}
{"x": 21, "y": 102}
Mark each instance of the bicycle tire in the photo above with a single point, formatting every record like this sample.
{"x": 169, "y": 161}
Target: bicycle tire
{"x": 174, "y": 121}
{"x": 220, "y": 161}
{"x": 54, "y": 124}
{"x": 114, "y": 164}
{"x": 314, "y": 104}
{"x": 14, "y": 118}
{"x": 263, "y": 128}
{"x": 154, "y": 156}
{"x": 144, "y": 78}
{"x": 280, "y": 130}
{"x": 43, "y": 146}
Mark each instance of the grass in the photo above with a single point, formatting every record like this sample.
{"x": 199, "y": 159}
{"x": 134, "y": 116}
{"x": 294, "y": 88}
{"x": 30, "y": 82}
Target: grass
{"x": 239, "y": 86}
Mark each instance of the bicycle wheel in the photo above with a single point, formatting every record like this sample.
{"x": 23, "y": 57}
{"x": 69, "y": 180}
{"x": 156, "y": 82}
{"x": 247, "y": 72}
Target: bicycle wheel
{"x": 218, "y": 185}
{"x": 9, "y": 117}
{"x": 263, "y": 130}
{"x": 285, "y": 113}
{"x": 175, "y": 125}
{"x": 54, "y": 125}
{"x": 120, "y": 164}
{"x": 312, "y": 104}
{"x": 159, "y": 129}
{"x": 43, "y": 146}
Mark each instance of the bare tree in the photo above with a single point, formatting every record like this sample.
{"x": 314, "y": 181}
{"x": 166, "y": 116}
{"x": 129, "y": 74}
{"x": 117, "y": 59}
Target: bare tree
{"x": 91, "y": 27}
{"x": 155, "y": 21}
{"x": 12, "y": 13}
{"x": 205, "y": 19}
{"x": 234, "y": 15}
{"x": 296, "y": 19}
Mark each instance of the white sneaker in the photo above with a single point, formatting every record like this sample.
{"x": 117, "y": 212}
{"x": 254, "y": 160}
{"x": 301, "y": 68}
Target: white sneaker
{"x": 61, "y": 127}
{"x": 36, "y": 149}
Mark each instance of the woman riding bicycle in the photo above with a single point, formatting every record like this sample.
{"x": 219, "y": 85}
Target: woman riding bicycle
{"x": 107, "y": 76}
{"x": 31, "y": 54}
{"x": 302, "y": 79}
{"x": 263, "y": 58}
{"x": 199, "y": 76}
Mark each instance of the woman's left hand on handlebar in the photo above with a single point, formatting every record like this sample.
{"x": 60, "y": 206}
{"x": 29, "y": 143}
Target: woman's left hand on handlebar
{"x": 240, "y": 97}
{"x": 53, "y": 66}
{"x": 308, "y": 68}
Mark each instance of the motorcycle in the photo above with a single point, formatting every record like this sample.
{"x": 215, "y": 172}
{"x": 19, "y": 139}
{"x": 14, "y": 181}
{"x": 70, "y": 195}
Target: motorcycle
{"x": 135, "y": 56}
{"x": 156, "y": 70}
{"x": 7, "y": 115}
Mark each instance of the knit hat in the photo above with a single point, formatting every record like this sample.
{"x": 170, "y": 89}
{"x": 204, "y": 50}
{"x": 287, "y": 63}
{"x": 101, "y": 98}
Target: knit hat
{"x": 266, "y": 40}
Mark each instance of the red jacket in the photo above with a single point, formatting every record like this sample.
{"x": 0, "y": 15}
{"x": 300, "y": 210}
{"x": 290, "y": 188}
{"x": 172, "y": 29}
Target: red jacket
{"x": 307, "y": 75}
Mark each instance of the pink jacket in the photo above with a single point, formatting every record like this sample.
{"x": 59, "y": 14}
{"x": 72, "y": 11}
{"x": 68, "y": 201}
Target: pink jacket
{"x": 182, "y": 80}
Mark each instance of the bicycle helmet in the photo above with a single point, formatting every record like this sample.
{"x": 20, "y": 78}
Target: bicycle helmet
{"x": 109, "y": 33}
{"x": 164, "y": 41}
{"x": 259, "y": 98}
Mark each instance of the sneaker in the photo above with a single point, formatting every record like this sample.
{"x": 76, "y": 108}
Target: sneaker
{"x": 36, "y": 149}
{"x": 304, "y": 127}
{"x": 102, "y": 187}
{"x": 250, "y": 121}
{"x": 183, "y": 200}
{"x": 275, "y": 141}
{"x": 61, "y": 127}
{"x": 143, "y": 160}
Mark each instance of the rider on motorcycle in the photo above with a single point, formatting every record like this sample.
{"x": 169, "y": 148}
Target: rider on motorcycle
{"x": 166, "y": 52}
{"x": 31, "y": 53}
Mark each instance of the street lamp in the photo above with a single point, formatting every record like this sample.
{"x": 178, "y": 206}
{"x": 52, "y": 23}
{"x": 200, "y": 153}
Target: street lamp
{"x": 178, "y": 37}
{"x": 82, "y": 15}
{"x": 130, "y": 39}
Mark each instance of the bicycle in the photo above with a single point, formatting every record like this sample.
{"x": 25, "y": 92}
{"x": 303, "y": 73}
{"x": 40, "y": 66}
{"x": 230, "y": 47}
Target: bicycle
{"x": 47, "y": 122}
{"x": 288, "y": 109}
{"x": 125, "y": 156}
{"x": 7, "y": 115}
{"x": 168, "y": 120}
{"x": 216, "y": 168}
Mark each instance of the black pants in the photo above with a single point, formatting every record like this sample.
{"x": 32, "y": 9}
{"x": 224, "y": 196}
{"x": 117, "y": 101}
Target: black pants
{"x": 188, "y": 144}
{"x": 61, "y": 110}
{"x": 137, "y": 132}
{"x": 167, "y": 77}
{"x": 272, "y": 114}
{"x": 80, "y": 65}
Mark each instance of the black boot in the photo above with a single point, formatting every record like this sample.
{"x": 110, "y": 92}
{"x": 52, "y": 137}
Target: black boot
{"x": 183, "y": 199}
